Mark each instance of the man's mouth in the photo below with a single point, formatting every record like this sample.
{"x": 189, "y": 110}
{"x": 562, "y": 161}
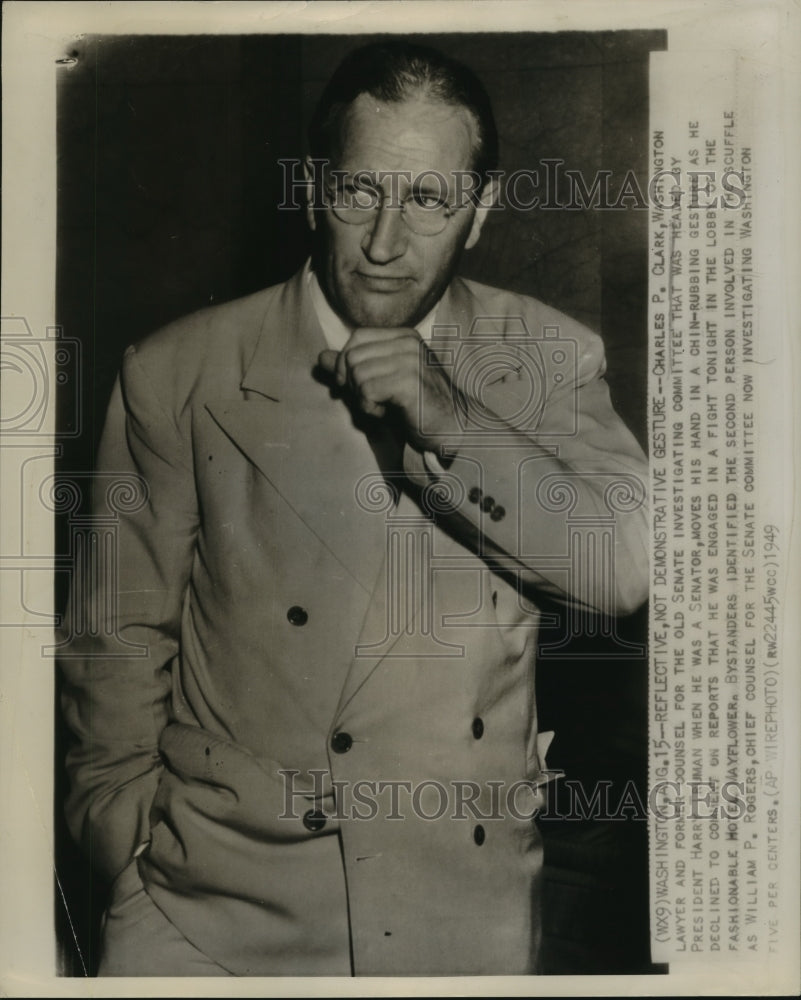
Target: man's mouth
{"x": 382, "y": 282}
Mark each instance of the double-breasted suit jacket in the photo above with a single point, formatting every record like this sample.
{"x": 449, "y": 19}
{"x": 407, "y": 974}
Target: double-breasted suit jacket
{"x": 328, "y": 688}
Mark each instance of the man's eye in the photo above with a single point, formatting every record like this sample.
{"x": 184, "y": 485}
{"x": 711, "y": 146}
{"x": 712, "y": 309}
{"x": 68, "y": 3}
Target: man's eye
{"x": 430, "y": 202}
{"x": 358, "y": 197}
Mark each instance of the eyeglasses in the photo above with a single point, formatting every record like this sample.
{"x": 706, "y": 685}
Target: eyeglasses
{"x": 424, "y": 213}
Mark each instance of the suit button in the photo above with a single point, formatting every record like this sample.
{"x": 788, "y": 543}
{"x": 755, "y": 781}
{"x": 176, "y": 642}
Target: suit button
{"x": 341, "y": 742}
{"x": 478, "y": 727}
{"x": 314, "y": 820}
{"x": 297, "y": 615}
{"x": 487, "y": 504}
{"x": 478, "y": 835}
{"x": 474, "y": 495}
{"x": 497, "y": 514}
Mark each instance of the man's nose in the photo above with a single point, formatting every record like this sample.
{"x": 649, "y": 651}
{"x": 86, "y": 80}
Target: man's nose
{"x": 387, "y": 235}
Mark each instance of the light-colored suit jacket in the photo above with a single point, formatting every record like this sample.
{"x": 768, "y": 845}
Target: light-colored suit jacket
{"x": 301, "y": 618}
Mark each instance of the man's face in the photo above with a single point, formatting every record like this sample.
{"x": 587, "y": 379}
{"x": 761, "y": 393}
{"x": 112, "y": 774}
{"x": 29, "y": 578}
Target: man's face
{"x": 381, "y": 273}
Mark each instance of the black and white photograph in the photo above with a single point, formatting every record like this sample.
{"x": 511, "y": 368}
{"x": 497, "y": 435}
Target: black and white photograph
{"x": 393, "y": 580}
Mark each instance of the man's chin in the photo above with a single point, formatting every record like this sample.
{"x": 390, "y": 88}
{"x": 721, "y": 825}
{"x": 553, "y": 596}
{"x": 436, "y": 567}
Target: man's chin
{"x": 366, "y": 307}
{"x": 383, "y": 317}
{"x": 383, "y": 311}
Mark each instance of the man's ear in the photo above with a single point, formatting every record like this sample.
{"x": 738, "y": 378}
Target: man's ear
{"x": 308, "y": 173}
{"x": 488, "y": 198}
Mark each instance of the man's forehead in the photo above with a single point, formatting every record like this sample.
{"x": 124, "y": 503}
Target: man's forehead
{"x": 412, "y": 135}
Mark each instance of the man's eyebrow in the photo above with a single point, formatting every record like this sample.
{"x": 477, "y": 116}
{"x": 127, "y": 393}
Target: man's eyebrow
{"x": 426, "y": 187}
{"x": 380, "y": 179}
{"x": 431, "y": 188}
{"x": 349, "y": 176}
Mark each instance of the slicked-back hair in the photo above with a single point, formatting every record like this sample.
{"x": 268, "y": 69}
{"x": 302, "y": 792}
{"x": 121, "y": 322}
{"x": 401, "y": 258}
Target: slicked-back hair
{"x": 393, "y": 71}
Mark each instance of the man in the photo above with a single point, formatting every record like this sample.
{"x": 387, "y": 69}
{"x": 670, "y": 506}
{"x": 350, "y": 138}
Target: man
{"x": 321, "y": 756}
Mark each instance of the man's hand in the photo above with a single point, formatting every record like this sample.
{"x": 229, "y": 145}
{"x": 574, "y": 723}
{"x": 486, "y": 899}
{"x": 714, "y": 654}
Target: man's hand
{"x": 387, "y": 367}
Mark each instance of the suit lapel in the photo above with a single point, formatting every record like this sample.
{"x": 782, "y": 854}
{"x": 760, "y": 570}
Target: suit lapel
{"x": 302, "y": 439}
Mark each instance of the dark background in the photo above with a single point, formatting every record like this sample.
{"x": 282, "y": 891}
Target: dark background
{"x": 168, "y": 187}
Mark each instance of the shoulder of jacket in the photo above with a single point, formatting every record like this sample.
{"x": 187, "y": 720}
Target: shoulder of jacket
{"x": 208, "y": 348}
{"x": 193, "y": 335}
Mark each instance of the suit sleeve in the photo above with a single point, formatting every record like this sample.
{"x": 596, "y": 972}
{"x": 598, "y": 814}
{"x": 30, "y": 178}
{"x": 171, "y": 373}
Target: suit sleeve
{"x": 553, "y": 492}
{"x": 116, "y": 677}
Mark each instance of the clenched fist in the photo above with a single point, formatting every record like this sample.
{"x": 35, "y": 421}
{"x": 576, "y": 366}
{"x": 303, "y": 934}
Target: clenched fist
{"x": 386, "y": 367}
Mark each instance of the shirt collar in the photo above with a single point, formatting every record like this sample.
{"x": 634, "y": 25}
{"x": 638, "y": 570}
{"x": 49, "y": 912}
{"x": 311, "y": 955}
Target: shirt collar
{"x": 336, "y": 332}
